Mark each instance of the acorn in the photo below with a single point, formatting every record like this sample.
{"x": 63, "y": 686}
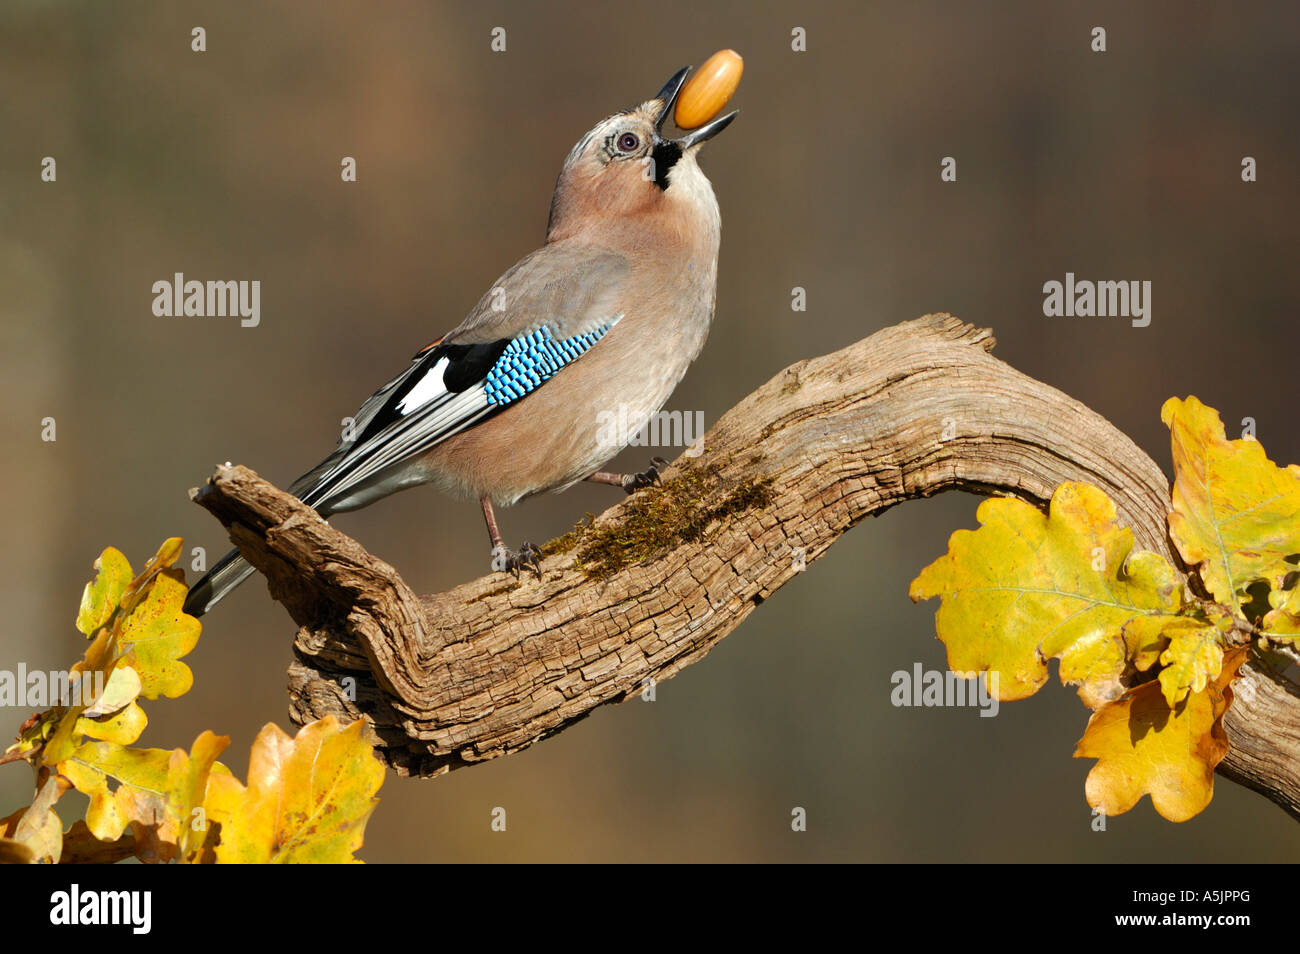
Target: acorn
{"x": 709, "y": 89}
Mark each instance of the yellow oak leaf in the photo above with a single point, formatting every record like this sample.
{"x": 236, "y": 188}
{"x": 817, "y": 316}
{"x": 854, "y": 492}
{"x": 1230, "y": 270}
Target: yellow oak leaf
{"x": 1234, "y": 510}
{"x": 1027, "y": 587}
{"x": 114, "y": 716}
{"x": 121, "y": 690}
{"x": 100, "y": 656}
{"x": 307, "y": 801}
{"x": 158, "y": 794}
{"x": 64, "y": 728}
{"x": 1146, "y": 638}
{"x": 1146, "y": 747}
{"x": 187, "y": 783}
{"x": 139, "y": 654}
{"x": 1194, "y": 656}
{"x": 156, "y": 634}
{"x": 35, "y": 832}
{"x": 57, "y": 732}
{"x": 139, "y": 777}
{"x": 1282, "y": 623}
{"x": 61, "y": 728}
{"x": 160, "y": 562}
{"x": 123, "y": 727}
{"x": 101, "y": 596}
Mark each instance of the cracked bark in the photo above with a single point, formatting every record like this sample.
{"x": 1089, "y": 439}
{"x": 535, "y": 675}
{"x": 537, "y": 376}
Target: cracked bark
{"x": 487, "y": 669}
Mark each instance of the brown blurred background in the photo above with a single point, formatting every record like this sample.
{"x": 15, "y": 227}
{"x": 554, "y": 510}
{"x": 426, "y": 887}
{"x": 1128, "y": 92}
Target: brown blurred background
{"x": 225, "y": 165}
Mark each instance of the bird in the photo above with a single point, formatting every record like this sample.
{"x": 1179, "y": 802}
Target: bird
{"x": 606, "y": 316}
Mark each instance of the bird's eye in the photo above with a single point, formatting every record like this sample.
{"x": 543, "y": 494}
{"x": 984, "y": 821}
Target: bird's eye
{"x": 628, "y": 142}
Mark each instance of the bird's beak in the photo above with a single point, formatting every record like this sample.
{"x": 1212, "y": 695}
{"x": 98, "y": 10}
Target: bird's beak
{"x": 668, "y": 96}
{"x": 707, "y": 131}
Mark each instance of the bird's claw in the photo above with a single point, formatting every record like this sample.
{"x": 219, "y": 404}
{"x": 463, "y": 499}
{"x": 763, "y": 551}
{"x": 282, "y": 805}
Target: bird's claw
{"x": 505, "y": 560}
{"x": 647, "y": 478}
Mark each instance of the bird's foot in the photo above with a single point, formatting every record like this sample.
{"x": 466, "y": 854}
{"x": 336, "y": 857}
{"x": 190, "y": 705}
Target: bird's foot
{"x": 505, "y": 560}
{"x": 647, "y": 478}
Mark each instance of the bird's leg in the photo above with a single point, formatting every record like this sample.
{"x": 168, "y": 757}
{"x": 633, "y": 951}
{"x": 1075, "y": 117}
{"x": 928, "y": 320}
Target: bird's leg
{"x": 631, "y": 483}
{"x": 505, "y": 560}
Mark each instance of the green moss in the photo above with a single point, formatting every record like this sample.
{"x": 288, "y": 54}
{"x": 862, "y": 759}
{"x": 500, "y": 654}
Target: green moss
{"x": 570, "y": 540}
{"x": 657, "y": 519}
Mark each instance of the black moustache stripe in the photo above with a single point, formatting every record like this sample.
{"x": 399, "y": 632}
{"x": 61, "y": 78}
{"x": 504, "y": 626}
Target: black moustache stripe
{"x": 665, "y": 155}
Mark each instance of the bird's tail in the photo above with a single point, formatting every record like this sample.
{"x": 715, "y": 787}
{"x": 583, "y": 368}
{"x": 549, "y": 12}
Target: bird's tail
{"x": 228, "y": 573}
{"x": 232, "y": 569}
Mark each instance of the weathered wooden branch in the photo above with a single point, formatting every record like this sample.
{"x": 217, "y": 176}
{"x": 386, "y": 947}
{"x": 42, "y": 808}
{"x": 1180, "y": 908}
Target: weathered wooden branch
{"x": 493, "y": 666}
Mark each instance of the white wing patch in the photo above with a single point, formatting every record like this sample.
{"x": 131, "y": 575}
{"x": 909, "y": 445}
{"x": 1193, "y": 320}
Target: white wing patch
{"x": 427, "y": 389}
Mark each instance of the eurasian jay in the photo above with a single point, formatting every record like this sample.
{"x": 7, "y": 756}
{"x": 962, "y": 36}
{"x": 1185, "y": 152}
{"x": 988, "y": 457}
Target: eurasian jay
{"x": 608, "y": 314}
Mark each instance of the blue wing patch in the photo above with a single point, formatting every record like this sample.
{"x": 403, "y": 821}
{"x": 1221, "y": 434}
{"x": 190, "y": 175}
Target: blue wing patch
{"x": 529, "y": 361}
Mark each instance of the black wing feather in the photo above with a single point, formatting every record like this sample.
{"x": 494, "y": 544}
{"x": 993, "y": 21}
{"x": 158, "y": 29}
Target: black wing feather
{"x": 468, "y": 364}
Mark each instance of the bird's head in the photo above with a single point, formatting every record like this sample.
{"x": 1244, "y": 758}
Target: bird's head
{"x": 625, "y": 167}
